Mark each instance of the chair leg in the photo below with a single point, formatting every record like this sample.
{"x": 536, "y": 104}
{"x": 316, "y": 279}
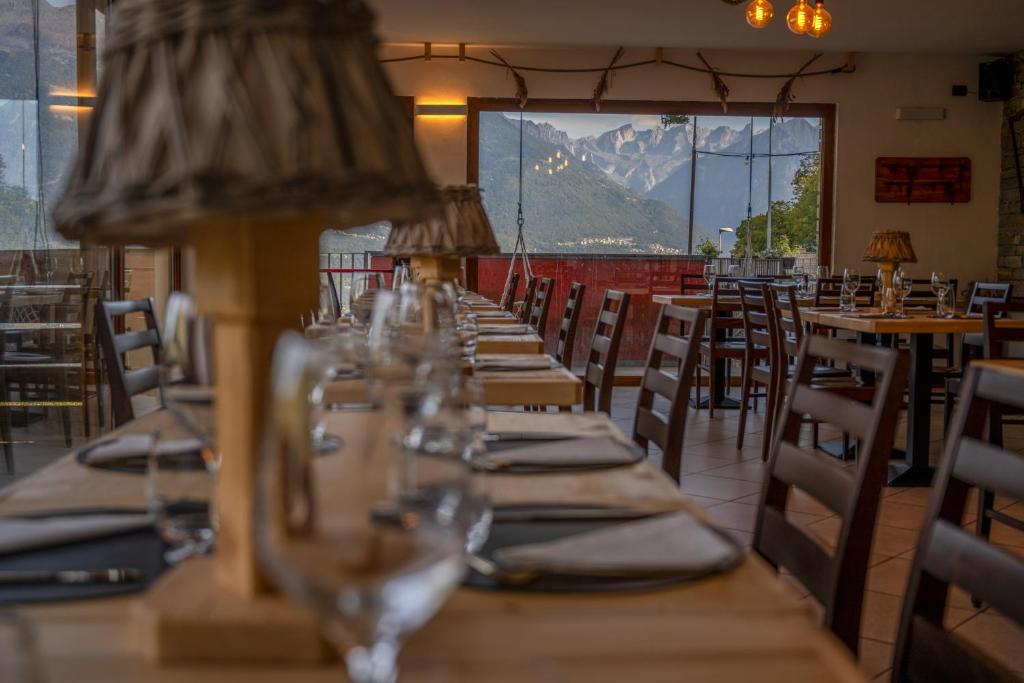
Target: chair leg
{"x": 712, "y": 386}
{"x": 697, "y": 384}
{"x": 745, "y": 383}
{"x": 5, "y": 427}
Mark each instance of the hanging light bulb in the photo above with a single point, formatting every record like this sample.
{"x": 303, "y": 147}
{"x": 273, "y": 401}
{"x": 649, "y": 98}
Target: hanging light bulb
{"x": 821, "y": 21}
{"x": 799, "y": 17}
{"x": 760, "y": 13}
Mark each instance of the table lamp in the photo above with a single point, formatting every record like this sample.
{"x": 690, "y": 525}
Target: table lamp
{"x": 889, "y": 248}
{"x": 435, "y": 244}
{"x": 243, "y": 128}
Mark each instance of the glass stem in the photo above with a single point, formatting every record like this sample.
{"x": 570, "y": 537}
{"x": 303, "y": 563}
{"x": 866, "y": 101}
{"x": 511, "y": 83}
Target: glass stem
{"x": 375, "y": 664}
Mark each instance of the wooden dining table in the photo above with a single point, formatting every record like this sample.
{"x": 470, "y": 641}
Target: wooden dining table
{"x": 743, "y": 625}
{"x": 530, "y": 342}
{"x": 912, "y": 466}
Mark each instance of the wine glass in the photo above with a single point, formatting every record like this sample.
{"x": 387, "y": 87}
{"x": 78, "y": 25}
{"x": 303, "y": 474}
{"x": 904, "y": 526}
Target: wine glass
{"x": 324, "y": 320}
{"x": 364, "y": 290}
{"x": 400, "y": 276}
{"x": 186, "y": 369}
{"x": 799, "y": 278}
{"x": 710, "y": 271}
{"x": 851, "y": 285}
{"x": 940, "y": 285}
{"x": 358, "y": 545}
{"x": 901, "y": 285}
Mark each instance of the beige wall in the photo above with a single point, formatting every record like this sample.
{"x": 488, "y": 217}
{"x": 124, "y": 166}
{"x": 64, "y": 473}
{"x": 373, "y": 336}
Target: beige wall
{"x": 960, "y": 239}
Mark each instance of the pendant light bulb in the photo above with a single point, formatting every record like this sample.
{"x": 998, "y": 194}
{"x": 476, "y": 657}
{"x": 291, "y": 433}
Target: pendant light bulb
{"x": 799, "y": 17}
{"x": 760, "y": 13}
{"x": 821, "y": 21}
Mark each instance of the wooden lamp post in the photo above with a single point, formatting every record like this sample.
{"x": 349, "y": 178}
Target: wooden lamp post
{"x": 437, "y": 243}
{"x": 889, "y": 248}
{"x": 243, "y": 128}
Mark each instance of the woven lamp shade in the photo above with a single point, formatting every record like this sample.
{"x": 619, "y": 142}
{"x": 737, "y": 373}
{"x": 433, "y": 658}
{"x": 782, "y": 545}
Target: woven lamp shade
{"x": 890, "y": 246}
{"x": 461, "y": 229}
{"x": 214, "y": 109}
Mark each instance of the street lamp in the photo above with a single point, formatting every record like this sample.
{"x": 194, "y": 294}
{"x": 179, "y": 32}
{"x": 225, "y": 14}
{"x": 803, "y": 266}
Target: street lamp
{"x": 722, "y": 231}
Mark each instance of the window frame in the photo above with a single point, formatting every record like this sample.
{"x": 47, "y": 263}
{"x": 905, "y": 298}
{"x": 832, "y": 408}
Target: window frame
{"x": 825, "y": 111}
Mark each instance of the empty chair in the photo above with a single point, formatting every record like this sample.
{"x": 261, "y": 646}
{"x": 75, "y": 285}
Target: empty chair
{"x": 692, "y": 283}
{"x": 982, "y": 293}
{"x": 570, "y": 321}
{"x": 834, "y": 578}
{"x": 828, "y": 290}
{"x": 721, "y": 344}
{"x": 538, "y": 319}
{"x": 669, "y": 352}
{"x": 949, "y": 556}
{"x": 125, "y": 383}
{"x": 599, "y": 376}
{"x": 756, "y": 307}
{"x": 526, "y": 306}
{"x": 508, "y": 297}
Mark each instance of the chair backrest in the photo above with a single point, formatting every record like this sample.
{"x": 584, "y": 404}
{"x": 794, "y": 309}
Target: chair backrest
{"x": 531, "y": 290}
{"x": 829, "y": 289}
{"x": 788, "y": 331}
{"x": 692, "y": 283}
{"x": 508, "y": 297}
{"x": 541, "y": 303}
{"x": 570, "y": 321}
{"x": 84, "y": 282}
{"x": 757, "y": 307}
{"x": 836, "y": 579}
{"x": 996, "y": 292}
{"x": 680, "y": 350}
{"x": 998, "y": 336}
{"x": 725, "y": 313}
{"x": 921, "y": 293}
{"x": 950, "y": 556}
{"x": 335, "y": 300}
{"x": 126, "y": 383}
{"x": 599, "y": 377}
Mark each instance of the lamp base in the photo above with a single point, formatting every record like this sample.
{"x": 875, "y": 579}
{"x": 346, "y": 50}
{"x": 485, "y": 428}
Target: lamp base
{"x": 187, "y": 616}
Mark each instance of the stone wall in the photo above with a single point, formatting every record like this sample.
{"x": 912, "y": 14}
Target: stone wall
{"x": 1011, "y": 215}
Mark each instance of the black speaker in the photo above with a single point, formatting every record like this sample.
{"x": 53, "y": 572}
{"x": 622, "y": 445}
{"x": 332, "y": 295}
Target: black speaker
{"x": 995, "y": 80}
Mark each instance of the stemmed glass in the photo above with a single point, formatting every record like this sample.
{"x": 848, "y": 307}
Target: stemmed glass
{"x": 901, "y": 286}
{"x": 851, "y": 285}
{"x": 400, "y": 276}
{"x": 364, "y": 291}
{"x": 940, "y": 286}
{"x": 354, "y": 543}
{"x": 800, "y": 279}
{"x": 710, "y": 271}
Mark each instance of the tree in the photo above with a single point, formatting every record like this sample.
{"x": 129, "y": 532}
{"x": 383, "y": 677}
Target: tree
{"x": 708, "y": 248}
{"x": 794, "y": 223}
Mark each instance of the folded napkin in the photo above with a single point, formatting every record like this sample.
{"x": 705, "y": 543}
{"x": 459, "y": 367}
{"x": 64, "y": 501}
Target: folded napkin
{"x": 673, "y": 544}
{"x": 564, "y": 454}
{"x": 504, "y": 426}
{"x": 504, "y": 329}
{"x": 514, "y": 362}
{"x": 19, "y": 535}
{"x": 129, "y": 450}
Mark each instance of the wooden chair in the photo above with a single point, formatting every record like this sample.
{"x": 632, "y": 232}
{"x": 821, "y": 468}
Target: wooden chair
{"x": 335, "y": 299}
{"x": 836, "y": 579}
{"x": 756, "y": 308}
{"x": 526, "y": 306}
{"x": 973, "y": 343}
{"x": 829, "y": 289}
{"x": 570, "y": 321}
{"x": 949, "y": 556}
{"x": 721, "y": 343}
{"x": 125, "y": 383}
{"x": 692, "y": 283}
{"x": 538, "y": 319}
{"x": 599, "y": 376}
{"x": 508, "y": 297}
{"x": 667, "y": 431}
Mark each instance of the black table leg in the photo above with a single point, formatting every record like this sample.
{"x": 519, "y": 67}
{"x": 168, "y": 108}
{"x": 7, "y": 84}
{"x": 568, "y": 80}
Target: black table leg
{"x": 915, "y": 470}
{"x": 721, "y": 384}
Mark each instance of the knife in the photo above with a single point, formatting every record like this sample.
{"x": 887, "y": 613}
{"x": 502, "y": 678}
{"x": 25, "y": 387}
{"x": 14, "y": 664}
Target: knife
{"x": 70, "y": 576}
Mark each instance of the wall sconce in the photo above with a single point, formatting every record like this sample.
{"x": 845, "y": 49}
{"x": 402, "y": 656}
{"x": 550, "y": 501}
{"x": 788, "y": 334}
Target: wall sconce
{"x": 441, "y": 110}
{"x": 69, "y": 102}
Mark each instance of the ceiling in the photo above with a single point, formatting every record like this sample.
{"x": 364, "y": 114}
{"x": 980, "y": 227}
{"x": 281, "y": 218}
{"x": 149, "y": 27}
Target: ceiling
{"x": 920, "y": 26}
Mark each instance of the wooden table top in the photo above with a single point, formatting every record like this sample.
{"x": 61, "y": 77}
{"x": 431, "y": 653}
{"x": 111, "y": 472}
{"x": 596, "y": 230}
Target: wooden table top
{"x": 918, "y": 322}
{"x": 509, "y": 343}
{"x": 744, "y": 625}
{"x": 554, "y": 387}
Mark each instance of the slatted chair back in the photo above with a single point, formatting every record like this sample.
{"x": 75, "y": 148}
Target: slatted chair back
{"x": 599, "y": 376}
{"x": 83, "y": 282}
{"x": 726, "y": 311}
{"x": 541, "y": 304}
{"x": 335, "y": 299}
{"x": 669, "y": 352}
{"x": 756, "y": 307}
{"x": 836, "y": 579}
{"x": 950, "y": 556}
{"x": 508, "y": 297}
{"x": 789, "y": 332}
{"x": 921, "y": 293}
{"x": 528, "y": 296}
{"x": 692, "y": 283}
{"x": 125, "y": 383}
{"x": 983, "y": 292}
{"x": 570, "y": 322}
{"x": 997, "y": 336}
{"x": 829, "y": 290}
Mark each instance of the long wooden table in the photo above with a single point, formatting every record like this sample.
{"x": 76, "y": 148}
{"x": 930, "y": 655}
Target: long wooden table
{"x": 509, "y": 343}
{"x": 915, "y": 469}
{"x": 741, "y": 626}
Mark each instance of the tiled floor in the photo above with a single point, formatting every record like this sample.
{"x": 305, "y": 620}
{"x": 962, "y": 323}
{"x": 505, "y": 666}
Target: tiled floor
{"x": 727, "y": 482}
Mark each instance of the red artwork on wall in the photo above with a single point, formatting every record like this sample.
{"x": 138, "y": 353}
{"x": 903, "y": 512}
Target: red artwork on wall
{"x": 909, "y": 180}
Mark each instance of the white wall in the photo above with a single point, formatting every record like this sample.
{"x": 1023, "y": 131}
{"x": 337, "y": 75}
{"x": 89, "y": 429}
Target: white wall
{"x": 960, "y": 238}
